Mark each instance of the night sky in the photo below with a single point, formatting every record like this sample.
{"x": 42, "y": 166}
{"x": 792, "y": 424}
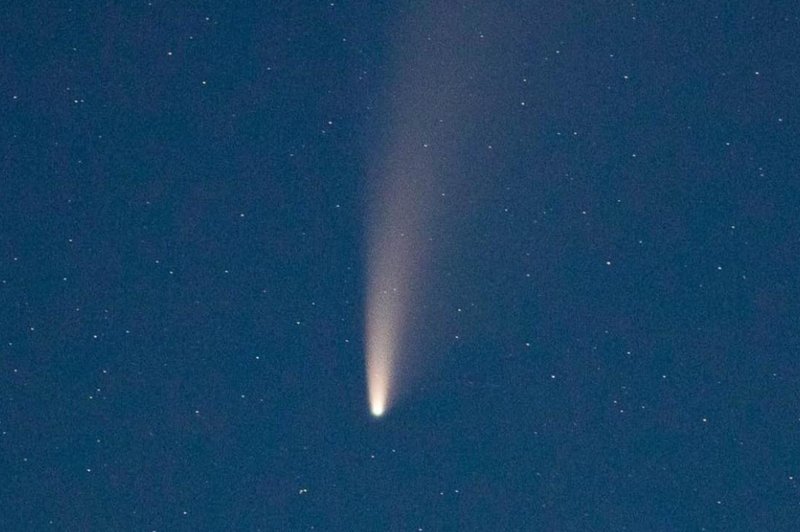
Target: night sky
{"x": 598, "y": 210}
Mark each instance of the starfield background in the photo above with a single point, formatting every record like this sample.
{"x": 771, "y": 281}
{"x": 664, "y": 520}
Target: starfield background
{"x": 613, "y": 316}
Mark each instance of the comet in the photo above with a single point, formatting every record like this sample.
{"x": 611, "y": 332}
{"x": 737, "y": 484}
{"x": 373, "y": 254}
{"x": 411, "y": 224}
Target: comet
{"x": 415, "y": 188}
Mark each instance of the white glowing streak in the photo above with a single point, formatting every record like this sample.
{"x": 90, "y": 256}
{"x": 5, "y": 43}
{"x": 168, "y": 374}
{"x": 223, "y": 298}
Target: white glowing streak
{"x": 392, "y": 268}
{"x": 382, "y": 326}
{"x": 440, "y": 89}
{"x": 378, "y": 371}
{"x": 402, "y": 209}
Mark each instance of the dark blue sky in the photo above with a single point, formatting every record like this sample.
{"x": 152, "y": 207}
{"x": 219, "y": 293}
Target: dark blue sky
{"x": 612, "y": 302}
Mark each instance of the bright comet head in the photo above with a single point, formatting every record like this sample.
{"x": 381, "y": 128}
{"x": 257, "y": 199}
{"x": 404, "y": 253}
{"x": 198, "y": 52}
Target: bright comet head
{"x": 377, "y": 409}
